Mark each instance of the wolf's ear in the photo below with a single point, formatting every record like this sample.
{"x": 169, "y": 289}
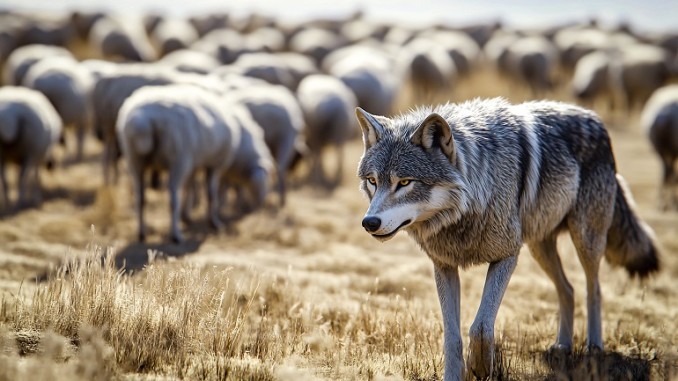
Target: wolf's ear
{"x": 371, "y": 125}
{"x": 435, "y": 132}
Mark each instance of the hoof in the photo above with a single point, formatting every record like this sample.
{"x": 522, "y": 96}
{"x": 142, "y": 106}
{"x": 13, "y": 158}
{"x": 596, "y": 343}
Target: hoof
{"x": 177, "y": 238}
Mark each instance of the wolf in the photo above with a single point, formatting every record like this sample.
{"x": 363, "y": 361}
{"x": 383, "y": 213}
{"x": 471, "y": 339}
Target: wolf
{"x": 472, "y": 182}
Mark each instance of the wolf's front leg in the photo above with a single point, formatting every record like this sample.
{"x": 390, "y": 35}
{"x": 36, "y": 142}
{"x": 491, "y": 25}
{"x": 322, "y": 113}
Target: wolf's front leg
{"x": 481, "y": 334}
{"x": 448, "y": 285}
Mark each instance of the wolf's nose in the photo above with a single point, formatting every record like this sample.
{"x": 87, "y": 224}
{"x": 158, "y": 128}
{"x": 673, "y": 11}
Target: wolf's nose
{"x": 371, "y": 224}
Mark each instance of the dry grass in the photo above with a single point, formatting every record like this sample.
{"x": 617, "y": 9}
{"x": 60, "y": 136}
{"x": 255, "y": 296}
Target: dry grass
{"x": 298, "y": 294}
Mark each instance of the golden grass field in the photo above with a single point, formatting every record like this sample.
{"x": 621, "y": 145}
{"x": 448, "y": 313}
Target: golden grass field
{"x": 301, "y": 293}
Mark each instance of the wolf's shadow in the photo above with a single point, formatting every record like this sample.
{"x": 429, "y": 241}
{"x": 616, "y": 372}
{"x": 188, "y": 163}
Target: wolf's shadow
{"x": 596, "y": 366}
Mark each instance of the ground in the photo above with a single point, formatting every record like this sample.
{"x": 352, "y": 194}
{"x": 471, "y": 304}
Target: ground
{"x": 300, "y": 292}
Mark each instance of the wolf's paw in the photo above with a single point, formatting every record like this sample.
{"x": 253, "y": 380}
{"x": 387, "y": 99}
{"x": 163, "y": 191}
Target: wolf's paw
{"x": 559, "y": 349}
{"x": 481, "y": 353}
{"x": 594, "y": 349}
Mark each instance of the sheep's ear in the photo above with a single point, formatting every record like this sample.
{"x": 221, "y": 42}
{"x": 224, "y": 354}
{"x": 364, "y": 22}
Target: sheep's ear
{"x": 371, "y": 125}
{"x": 435, "y": 132}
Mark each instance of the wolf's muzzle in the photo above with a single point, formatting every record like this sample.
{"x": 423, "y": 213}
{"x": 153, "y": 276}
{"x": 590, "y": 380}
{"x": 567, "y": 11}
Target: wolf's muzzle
{"x": 371, "y": 224}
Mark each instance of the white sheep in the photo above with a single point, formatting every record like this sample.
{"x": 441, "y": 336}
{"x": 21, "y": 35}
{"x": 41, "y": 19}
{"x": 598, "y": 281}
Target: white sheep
{"x": 636, "y": 71}
{"x": 67, "y": 85}
{"x": 591, "y": 79}
{"x": 22, "y": 58}
{"x": 533, "y": 61}
{"x": 111, "y": 90}
{"x": 173, "y": 34}
{"x": 29, "y": 127}
{"x": 428, "y": 68}
{"x": 190, "y": 61}
{"x": 369, "y": 72}
{"x": 659, "y": 119}
{"x": 252, "y": 167}
{"x": 277, "y": 112}
{"x": 328, "y": 106}
{"x": 115, "y": 37}
{"x": 182, "y": 129}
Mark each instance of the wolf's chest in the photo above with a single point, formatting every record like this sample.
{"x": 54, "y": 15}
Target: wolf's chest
{"x": 466, "y": 245}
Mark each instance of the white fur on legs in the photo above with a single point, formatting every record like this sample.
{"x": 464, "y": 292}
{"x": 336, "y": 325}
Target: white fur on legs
{"x": 448, "y": 285}
{"x": 481, "y": 344}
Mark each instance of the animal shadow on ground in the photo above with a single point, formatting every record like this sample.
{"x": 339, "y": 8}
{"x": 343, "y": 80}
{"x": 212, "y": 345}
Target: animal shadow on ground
{"x": 135, "y": 256}
{"x": 596, "y": 366}
{"x": 80, "y": 198}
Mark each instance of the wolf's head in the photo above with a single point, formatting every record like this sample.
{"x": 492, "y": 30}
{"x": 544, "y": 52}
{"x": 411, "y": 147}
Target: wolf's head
{"x": 409, "y": 172}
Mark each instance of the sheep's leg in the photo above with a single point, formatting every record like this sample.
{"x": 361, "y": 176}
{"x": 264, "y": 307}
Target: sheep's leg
{"x": 37, "y": 185}
{"x": 177, "y": 180}
{"x": 213, "y": 182}
{"x": 80, "y": 143}
{"x": 139, "y": 189}
{"x": 189, "y": 199}
{"x": 338, "y": 175}
{"x": 3, "y": 183}
{"x": 106, "y": 163}
{"x": 24, "y": 171}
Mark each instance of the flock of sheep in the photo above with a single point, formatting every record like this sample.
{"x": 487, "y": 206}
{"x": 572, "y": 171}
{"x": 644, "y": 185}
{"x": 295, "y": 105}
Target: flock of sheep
{"x": 237, "y": 102}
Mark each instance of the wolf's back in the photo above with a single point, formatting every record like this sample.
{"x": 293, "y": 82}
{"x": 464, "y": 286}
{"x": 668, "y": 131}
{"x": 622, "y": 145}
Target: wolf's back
{"x": 630, "y": 242}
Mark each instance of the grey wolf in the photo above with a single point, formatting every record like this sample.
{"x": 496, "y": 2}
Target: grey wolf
{"x": 472, "y": 182}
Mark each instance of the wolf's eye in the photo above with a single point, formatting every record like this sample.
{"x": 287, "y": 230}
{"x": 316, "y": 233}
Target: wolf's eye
{"x": 404, "y": 182}
{"x": 372, "y": 180}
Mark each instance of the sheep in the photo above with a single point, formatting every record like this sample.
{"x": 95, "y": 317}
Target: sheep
{"x": 496, "y": 51}
{"x": 47, "y": 28}
{"x": 276, "y": 110}
{"x": 316, "y": 43}
{"x": 533, "y": 59}
{"x": 460, "y": 46}
{"x": 286, "y": 69}
{"x": 29, "y": 127}
{"x": 83, "y": 21}
{"x": 328, "y": 107}
{"x": 369, "y": 73}
{"x": 636, "y": 71}
{"x": 118, "y": 39}
{"x": 265, "y": 39}
{"x": 173, "y": 34}
{"x": 67, "y": 85}
{"x": 224, "y": 44}
{"x": 252, "y": 165}
{"x": 190, "y": 61}
{"x": 591, "y": 79}
{"x": 21, "y": 59}
{"x": 110, "y": 91}
{"x": 659, "y": 119}
{"x": 182, "y": 129}
{"x": 428, "y": 68}
{"x": 573, "y": 43}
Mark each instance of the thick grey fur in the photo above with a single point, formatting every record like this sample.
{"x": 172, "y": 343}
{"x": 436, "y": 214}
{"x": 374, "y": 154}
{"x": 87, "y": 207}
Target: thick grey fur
{"x": 485, "y": 177}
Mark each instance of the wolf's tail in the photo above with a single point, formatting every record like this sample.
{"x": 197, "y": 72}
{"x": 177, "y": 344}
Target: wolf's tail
{"x": 630, "y": 241}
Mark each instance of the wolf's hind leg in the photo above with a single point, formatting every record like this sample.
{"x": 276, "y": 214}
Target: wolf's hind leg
{"x": 546, "y": 255}
{"x": 588, "y": 222}
{"x": 481, "y": 346}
